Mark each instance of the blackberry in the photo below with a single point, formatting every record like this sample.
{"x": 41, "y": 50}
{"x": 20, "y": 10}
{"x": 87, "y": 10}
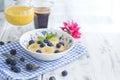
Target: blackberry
{"x": 39, "y": 51}
{"x": 64, "y": 73}
{"x": 52, "y": 78}
{"x": 22, "y": 59}
{"x": 12, "y": 51}
{"x": 56, "y": 51}
{"x": 58, "y": 45}
{"x": 31, "y": 42}
{"x": 2, "y": 43}
{"x": 15, "y": 69}
{"x": 29, "y": 66}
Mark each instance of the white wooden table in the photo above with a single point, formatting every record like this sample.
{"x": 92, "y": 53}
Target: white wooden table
{"x": 99, "y": 36}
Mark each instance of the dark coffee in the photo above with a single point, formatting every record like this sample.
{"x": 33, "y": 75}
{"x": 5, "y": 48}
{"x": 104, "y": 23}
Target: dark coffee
{"x": 41, "y": 17}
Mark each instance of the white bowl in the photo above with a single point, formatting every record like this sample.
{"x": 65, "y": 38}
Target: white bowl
{"x": 63, "y": 36}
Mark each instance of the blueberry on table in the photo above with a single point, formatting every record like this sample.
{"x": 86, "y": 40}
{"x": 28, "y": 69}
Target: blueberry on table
{"x": 50, "y": 44}
{"x": 64, "y": 73}
{"x": 39, "y": 51}
{"x": 58, "y": 45}
{"x": 2, "y": 43}
{"x": 31, "y": 42}
{"x": 8, "y": 60}
{"x": 52, "y": 78}
{"x": 56, "y": 51}
{"x": 29, "y": 66}
{"x": 9, "y": 42}
{"x": 13, "y": 62}
{"x": 22, "y": 59}
{"x": 12, "y": 51}
{"x": 15, "y": 69}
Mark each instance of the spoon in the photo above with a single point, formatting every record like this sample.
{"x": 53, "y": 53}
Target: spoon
{"x": 34, "y": 66}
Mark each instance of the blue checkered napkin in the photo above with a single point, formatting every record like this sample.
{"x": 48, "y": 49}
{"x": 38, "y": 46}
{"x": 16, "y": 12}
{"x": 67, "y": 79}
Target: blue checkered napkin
{"x": 45, "y": 66}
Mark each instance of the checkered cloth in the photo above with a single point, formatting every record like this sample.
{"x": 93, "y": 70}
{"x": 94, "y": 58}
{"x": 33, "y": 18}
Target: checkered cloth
{"x": 45, "y": 66}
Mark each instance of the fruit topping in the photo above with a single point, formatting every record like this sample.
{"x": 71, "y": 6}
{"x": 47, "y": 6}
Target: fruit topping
{"x": 47, "y": 49}
{"x": 31, "y": 42}
{"x": 33, "y": 47}
{"x": 39, "y": 42}
{"x": 39, "y": 51}
{"x": 58, "y": 45}
{"x": 62, "y": 43}
{"x": 50, "y": 44}
{"x": 42, "y": 45}
{"x": 46, "y": 41}
{"x": 56, "y": 51}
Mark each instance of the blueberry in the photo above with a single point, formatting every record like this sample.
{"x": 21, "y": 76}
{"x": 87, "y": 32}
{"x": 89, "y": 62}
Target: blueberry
{"x": 29, "y": 66}
{"x": 58, "y": 45}
{"x": 2, "y": 43}
{"x": 8, "y": 60}
{"x": 56, "y": 51}
{"x": 15, "y": 69}
{"x": 12, "y": 51}
{"x": 52, "y": 78}
{"x": 42, "y": 45}
{"x": 22, "y": 59}
{"x": 9, "y": 42}
{"x": 39, "y": 42}
{"x": 13, "y": 62}
{"x": 64, "y": 73}
{"x": 31, "y": 42}
{"x": 62, "y": 43}
{"x": 46, "y": 41}
{"x": 39, "y": 51}
{"x": 50, "y": 44}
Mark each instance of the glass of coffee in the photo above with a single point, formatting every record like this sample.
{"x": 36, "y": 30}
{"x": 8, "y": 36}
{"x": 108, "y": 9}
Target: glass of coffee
{"x": 42, "y": 11}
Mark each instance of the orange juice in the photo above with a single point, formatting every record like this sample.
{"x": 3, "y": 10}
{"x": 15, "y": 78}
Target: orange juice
{"x": 19, "y": 15}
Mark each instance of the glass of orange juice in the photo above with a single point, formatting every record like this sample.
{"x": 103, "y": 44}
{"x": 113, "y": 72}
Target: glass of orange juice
{"x": 19, "y": 13}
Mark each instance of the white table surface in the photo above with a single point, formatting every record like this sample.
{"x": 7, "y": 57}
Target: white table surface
{"x": 99, "y": 35}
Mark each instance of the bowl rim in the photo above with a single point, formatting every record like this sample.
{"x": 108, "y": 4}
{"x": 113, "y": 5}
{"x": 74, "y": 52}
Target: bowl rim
{"x": 46, "y": 53}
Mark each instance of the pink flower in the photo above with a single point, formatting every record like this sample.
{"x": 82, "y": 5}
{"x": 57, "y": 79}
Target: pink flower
{"x": 72, "y": 28}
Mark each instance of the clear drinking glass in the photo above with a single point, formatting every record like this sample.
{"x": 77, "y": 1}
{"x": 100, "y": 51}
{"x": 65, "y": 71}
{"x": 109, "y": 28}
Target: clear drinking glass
{"x": 42, "y": 9}
{"x": 19, "y": 13}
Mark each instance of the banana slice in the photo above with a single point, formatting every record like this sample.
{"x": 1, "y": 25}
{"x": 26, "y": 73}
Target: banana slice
{"x": 47, "y": 49}
{"x": 62, "y": 48}
{"x": 33, "y": 47}
{"x": 36, "y": 39}
{"x": 54, "y": 41}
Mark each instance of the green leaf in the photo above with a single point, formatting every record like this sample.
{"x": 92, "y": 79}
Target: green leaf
{"x": 41, "y": 38}
{"x": 48, "y": 35}
{"x": 53, "y": 36}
